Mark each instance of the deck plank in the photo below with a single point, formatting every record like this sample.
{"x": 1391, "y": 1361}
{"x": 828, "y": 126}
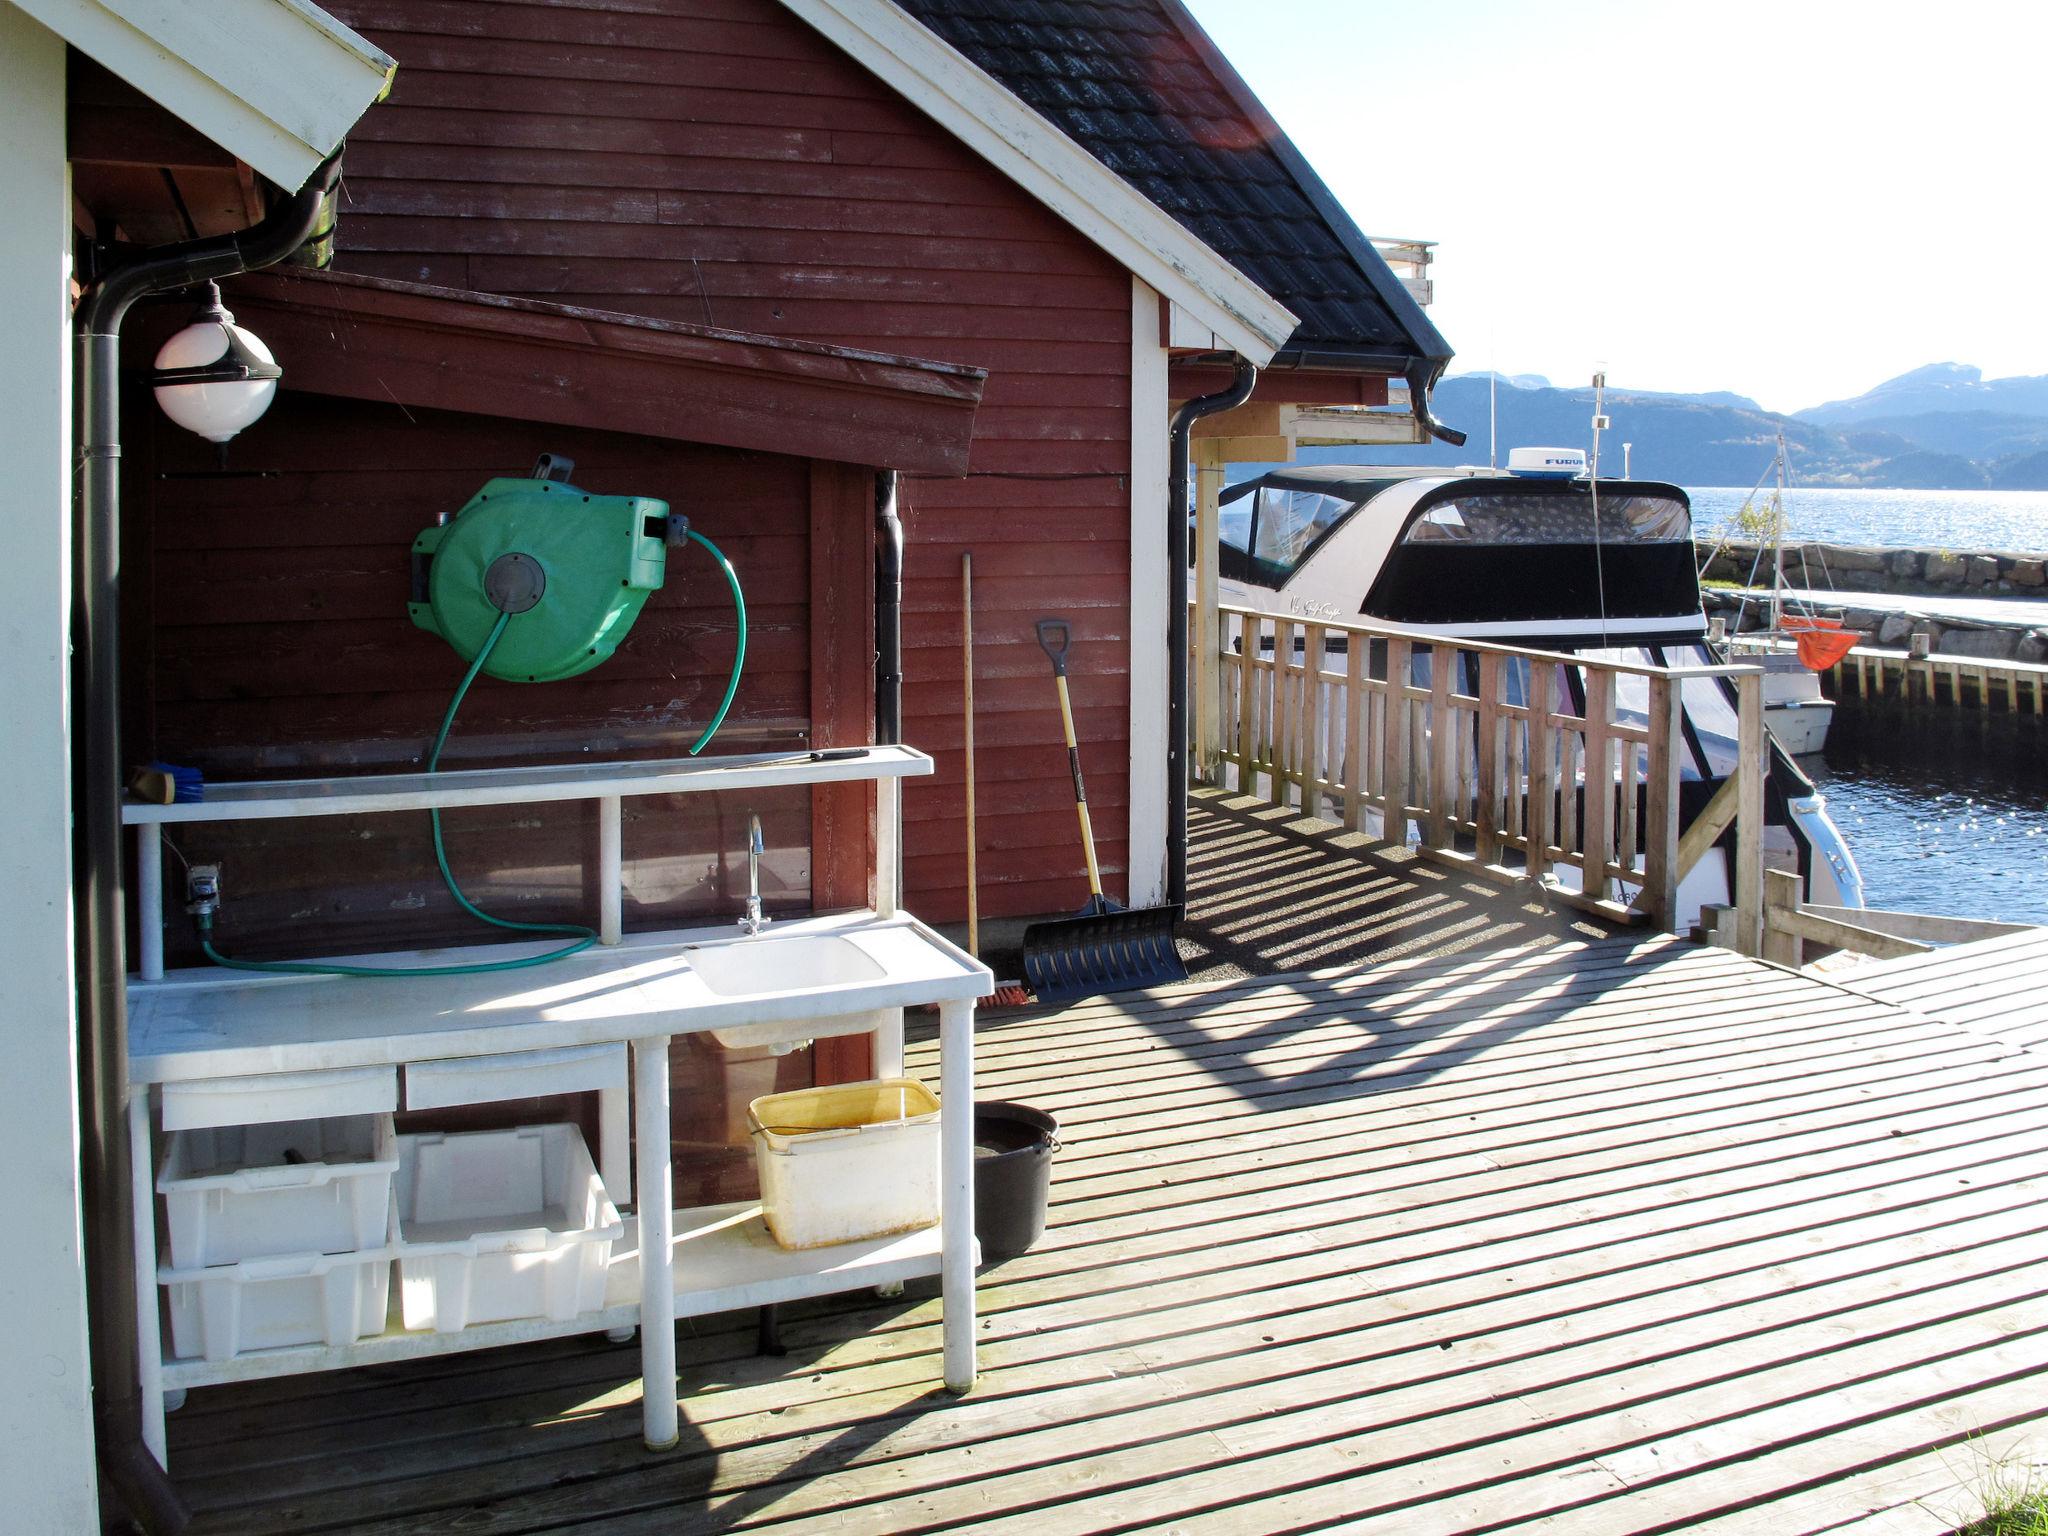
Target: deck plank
{"x": 1996, "y": 987}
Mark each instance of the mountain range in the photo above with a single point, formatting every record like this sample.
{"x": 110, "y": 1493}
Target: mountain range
{"x": 1941, "y": 427}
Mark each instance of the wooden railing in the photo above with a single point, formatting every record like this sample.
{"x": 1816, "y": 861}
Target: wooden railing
{"x": 1416, "y": 738}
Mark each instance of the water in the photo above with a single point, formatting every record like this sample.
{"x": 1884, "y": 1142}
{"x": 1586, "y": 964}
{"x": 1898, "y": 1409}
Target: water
{"x": 1945, "y": 811}
{"x": 1987, "y": 520}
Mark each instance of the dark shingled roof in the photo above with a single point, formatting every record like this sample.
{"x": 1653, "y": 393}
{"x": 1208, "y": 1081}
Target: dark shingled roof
{"x": 1138, "y": 84}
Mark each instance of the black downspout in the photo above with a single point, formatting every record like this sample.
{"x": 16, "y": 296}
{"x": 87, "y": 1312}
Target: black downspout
{"x": 1184, "y": 421}
{"x": 888, "y": 612}
{"x": 101, "y": 960}
{"x": 1422, "y": 376}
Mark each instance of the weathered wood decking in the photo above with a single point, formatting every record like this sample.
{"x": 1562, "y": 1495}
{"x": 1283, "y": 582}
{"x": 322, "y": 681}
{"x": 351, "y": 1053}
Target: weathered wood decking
{"x": 1996, "y": 987}
{"x": 1600, "y": 1237}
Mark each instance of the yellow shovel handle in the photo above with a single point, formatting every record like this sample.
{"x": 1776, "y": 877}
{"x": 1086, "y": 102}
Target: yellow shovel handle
{"x": 1080, "y": 794}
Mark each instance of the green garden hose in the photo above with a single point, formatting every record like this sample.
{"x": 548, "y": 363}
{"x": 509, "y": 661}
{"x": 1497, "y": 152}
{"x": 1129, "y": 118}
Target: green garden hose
{"x": 739, "y": 649}
{"x": 584, "y": 937}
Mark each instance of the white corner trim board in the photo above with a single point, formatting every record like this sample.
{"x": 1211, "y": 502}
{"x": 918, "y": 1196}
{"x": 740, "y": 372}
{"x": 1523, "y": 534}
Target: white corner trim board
{"x": 46, "y": 1430}
{"x": 1152, "y": 588}
{"x": 992, "y": 121}
{"x": 276, "y": 83}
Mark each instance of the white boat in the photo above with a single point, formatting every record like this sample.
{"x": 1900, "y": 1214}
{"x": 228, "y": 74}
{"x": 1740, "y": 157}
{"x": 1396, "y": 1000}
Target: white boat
{"x": 1522, "y": 559}
{"x": 1794, "y": 647}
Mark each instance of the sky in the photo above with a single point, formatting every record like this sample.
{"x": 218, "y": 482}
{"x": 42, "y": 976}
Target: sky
{"x": 1793, "y": 200}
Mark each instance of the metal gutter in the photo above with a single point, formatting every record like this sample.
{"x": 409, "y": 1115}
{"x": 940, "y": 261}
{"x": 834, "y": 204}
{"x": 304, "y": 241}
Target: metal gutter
{"x": 101, "y": 921}
{"x": 1184, "y": 419}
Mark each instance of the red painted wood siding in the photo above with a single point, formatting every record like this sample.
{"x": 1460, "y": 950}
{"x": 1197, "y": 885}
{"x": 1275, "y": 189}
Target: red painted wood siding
{"x": 279, "y": 645}
{"x": 716, "y": 160}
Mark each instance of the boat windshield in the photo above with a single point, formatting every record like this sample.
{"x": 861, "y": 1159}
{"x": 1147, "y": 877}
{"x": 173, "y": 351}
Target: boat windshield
{"x": 1277, "y": 528}
{"x": 1522, "y": 517}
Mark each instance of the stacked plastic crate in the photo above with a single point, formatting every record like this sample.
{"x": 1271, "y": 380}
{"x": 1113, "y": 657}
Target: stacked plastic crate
{"x": 282, "y": 1233}
{"x": 278, "y": 1234}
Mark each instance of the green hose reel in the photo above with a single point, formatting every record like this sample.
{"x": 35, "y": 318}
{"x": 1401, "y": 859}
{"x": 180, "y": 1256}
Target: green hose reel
{"x": 573, "y": 569}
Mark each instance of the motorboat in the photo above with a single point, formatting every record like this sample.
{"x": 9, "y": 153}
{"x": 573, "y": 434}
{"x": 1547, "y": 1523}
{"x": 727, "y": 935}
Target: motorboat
{"x": 1542, "y": 556}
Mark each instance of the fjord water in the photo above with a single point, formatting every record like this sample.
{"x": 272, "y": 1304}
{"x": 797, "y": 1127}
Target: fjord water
{"x": 1953, "y": 520}
{"x": 1946, "y": 810}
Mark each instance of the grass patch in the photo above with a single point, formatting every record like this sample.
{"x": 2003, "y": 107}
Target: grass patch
{"x": 2014, "y": 1505}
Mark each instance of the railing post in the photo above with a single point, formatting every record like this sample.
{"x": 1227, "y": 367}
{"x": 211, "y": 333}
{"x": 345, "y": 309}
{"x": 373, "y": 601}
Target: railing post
{"x": 1660, "y": 807}
{"x": 1394, "y": 744}
{"x": 1747, "y": 878}
{"x": 1781, "y": 946}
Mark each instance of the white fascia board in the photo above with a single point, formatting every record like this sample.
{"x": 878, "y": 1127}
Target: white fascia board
{"x": 991, "y": 120}
{"x": 275, "y": 83}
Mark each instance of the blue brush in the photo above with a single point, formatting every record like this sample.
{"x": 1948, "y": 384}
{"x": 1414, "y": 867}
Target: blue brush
{"x": 167, "y": 784}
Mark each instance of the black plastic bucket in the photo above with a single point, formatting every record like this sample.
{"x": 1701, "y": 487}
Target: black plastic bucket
{"x": 1013, "y": 1148}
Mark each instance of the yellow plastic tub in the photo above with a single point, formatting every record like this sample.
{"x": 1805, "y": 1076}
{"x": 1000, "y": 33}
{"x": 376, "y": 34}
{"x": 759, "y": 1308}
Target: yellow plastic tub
{"x": 853, "y": 1161}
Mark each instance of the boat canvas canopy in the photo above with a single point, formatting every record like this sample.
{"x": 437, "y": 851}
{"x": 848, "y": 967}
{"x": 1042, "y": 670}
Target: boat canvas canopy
{"x": 1486, "y": 555}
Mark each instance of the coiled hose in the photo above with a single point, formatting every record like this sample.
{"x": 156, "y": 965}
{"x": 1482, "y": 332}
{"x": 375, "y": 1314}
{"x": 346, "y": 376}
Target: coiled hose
{"x": 584, "y": 936}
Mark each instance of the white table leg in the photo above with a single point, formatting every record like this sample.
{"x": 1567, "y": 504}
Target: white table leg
{"x": 149, "y": 899}
{"x": 888, "y": 1039}
{"x": 615, "y": 1143}
{"x": 611, "y": 894}
{"x": 149, "y": 1345}
{"x": 657, "y": 1241}
{"x": 956, "y": 1177}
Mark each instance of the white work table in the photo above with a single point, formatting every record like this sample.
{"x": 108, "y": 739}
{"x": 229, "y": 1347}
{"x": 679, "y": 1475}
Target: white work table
{"x": 796, "y": 980}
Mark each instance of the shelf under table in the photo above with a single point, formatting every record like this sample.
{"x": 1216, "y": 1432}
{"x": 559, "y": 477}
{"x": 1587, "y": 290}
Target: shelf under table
{"x": 724, "y": 1261}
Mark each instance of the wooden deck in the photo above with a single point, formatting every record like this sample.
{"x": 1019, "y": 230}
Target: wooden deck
{"x": 1996, "y": 987}
{"x": 1592, "y": 1237}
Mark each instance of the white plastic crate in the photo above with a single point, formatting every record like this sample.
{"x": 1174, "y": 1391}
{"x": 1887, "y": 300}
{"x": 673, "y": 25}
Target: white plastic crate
{"x": 235, "y": 1192}
{"x": 853, "y": 1161}
{"x": 497, "y": 1225}
{"x": 310, "y": 1298}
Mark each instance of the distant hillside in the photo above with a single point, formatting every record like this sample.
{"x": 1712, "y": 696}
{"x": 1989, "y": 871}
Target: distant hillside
{"x": 1938, "y": 388}
{"x": 1727, "y": 439}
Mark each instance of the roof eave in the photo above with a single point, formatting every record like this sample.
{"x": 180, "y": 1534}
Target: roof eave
{"x": 275, "y": 83}
{"x": 1430, "y": 345}
{"x": 449, "y": 349}
{"x": 995, "y": 123}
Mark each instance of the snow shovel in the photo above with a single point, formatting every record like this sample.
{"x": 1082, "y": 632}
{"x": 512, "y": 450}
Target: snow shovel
{"x": 1105, "y": 947}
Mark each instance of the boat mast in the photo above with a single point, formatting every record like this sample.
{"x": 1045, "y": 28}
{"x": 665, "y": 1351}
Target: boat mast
{"x": 1778, "y": 541}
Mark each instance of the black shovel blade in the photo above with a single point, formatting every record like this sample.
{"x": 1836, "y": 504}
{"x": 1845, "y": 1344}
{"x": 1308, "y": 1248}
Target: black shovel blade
{"x": 1073, "y": 957}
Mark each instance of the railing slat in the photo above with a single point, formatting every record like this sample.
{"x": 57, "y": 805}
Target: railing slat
{"x": 1312, "y": 720}
{"x": 1660, "y": 806}
{"x": 1443, "y": 747}
{"x": 1354, "y": 732}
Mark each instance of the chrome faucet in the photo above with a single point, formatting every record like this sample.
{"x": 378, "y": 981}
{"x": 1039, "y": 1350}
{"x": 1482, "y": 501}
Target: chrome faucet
{"x": 752, "y": 920}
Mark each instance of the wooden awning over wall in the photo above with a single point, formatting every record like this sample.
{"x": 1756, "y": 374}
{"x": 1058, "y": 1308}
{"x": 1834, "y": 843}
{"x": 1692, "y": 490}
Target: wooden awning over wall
{"x": 441, "y": 348}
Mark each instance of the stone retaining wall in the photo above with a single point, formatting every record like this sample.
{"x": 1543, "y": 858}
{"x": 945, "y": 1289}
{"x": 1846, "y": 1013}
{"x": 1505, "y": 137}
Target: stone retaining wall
{"x": 1851, "y": 568}
{"x": 1911, "y": 572}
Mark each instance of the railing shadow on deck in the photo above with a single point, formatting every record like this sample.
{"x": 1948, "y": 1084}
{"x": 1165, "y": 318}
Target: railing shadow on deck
{"x": 1276, "y": 896}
